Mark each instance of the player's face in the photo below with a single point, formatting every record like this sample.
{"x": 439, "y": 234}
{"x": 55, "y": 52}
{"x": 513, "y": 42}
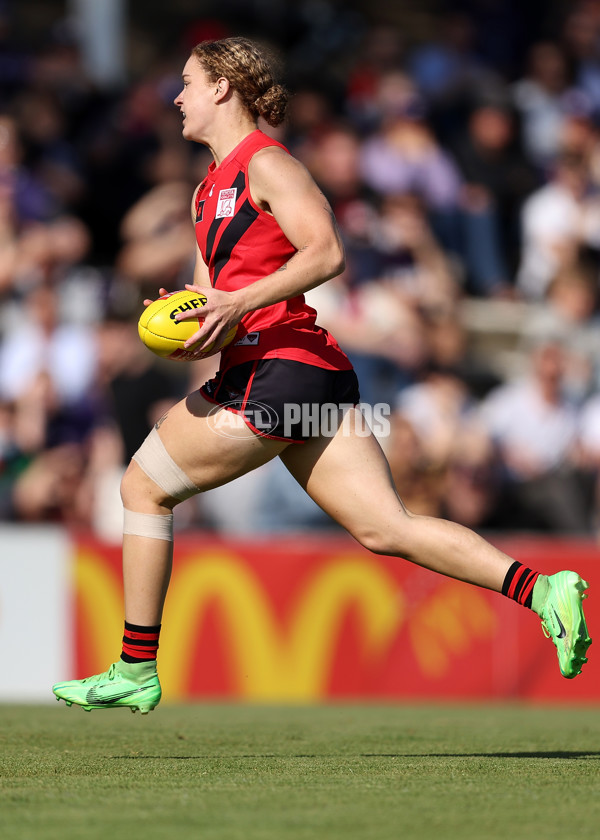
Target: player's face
{"x": 195, "y": 100}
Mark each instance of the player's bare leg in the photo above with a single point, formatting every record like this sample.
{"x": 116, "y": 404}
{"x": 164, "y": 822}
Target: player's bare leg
{"x": 348, "y": 476}
{"x": 191, "y": 434}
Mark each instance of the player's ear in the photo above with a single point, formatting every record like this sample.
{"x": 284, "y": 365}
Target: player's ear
{"x": 222, "y": 87}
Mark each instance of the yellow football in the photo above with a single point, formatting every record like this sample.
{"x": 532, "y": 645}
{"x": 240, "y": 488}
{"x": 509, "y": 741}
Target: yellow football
{"x": 165, "y": 336}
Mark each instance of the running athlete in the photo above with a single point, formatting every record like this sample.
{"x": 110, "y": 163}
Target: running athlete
{"x": 266, "y": 235}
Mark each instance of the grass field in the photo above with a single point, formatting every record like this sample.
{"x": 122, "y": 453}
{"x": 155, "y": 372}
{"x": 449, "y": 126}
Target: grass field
{"x": 310, "y": 773}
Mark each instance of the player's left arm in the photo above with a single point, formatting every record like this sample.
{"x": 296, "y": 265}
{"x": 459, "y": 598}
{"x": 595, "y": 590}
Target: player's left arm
{"x": 282, "y": 186}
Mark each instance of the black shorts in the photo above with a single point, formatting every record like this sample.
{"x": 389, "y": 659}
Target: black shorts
{"x": 283, "y": 399}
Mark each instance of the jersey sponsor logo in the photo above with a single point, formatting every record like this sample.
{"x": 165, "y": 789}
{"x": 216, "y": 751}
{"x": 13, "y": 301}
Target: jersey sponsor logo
{"x": 226, "y": 203}
{"x": 251, "y": 339}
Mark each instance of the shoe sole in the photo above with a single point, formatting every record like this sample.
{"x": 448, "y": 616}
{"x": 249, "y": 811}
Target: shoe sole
{"x": 144, "y": 705}
{"x": 143, "y": 708}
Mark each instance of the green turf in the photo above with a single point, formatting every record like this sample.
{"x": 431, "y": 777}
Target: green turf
{"x": 311, "y": 773}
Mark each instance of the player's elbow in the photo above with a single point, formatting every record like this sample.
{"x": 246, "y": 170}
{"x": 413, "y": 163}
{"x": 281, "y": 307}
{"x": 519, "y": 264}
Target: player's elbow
{"x": 335, "y": 261}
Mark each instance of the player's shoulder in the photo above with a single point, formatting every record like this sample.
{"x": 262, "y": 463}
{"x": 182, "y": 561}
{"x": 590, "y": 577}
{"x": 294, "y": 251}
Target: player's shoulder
{"x": 270, "y": 154}
{"x": 272, "y": 162}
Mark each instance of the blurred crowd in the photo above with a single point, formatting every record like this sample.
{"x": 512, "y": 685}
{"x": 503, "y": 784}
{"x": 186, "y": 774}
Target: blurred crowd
{"x": 457, "y": 175}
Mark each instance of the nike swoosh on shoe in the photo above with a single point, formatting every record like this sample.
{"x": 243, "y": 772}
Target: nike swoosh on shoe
{"x": 92, "y": 696}
{"x": 563, "y": 632}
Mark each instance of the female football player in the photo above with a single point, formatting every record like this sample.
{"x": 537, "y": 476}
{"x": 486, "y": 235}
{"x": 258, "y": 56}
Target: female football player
{"x": 265, "y": 235}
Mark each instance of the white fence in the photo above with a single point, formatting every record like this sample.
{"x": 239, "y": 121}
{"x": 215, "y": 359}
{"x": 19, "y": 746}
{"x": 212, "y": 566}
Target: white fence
{"x": 35, "y": 612}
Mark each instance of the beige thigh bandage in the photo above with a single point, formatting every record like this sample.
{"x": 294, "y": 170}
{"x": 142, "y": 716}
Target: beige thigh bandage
{"x": 158, "y": 465}
{"x": 155, "y": 526}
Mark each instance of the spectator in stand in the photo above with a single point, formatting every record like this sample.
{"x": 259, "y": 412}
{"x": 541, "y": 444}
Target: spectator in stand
{"x": 48, "y": 154}
{"x": 448, "y": 348}
{"x": 497, "y": 179}
{"x": 581, "y": 38}
{"x": 472, "y": 487}
{"x": 381, "y": 52}
{"x": 403, "y": 156}
{"x": 39, "y": 344}
{"x": 412, "y": 259}
{"x": 450, "y": 74}
{"x": 535, "y": 428}
{"x": 579, "y": 137}
{"x": 332, "y": 156}
{"x": 30, "y": 198}
{"x": 47, "y": 490}
{"x": 543, "y": 97}
{"x": 46, "y": 371}
{"x": 53, "y": 255}
{"x": 558, "y": 220}
{"x": 437, "y": 407}
{"x": 570, "y": 311}
{"x": 396, "y": 274}
{"x": 310, "y": 113}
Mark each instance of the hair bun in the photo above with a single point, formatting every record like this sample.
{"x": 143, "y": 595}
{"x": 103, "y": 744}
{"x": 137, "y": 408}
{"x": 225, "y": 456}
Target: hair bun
{"x": 271, "y": 105}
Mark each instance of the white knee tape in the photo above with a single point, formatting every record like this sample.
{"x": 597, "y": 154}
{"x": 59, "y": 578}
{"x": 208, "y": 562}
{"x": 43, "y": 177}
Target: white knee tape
{"x": 156, "y": 526}
{"x": 158, "y": 465}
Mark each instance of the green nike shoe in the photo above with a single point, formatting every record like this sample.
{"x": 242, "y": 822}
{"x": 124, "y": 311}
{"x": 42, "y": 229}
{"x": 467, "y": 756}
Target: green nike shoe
{"x": 563, "y": 621}
{"x": 123, "y": 685}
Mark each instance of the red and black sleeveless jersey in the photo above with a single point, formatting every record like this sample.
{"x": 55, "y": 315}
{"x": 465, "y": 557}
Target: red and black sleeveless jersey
{"x": 240, "y": 244}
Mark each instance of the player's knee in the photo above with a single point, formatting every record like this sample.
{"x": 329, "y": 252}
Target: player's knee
{"x": 137, "y": 487}
{"x": 156, "y": 476}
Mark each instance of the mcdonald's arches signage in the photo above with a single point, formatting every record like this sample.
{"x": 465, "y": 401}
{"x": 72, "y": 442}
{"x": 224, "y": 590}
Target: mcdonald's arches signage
{"x": 310, "y": 619}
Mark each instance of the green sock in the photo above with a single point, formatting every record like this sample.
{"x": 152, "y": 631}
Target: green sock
{"x": 540, "y": 593}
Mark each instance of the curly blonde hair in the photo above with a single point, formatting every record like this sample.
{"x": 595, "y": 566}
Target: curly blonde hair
{"x": 250, "y": 73}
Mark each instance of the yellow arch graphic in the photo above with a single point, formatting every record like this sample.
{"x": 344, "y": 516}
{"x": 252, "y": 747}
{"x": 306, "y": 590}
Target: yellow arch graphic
{"x": 271, "y": 662}
{"x": 99, "y": 592}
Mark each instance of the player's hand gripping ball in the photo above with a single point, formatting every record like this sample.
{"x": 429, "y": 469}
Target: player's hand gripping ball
{"x": 165, "y": 336}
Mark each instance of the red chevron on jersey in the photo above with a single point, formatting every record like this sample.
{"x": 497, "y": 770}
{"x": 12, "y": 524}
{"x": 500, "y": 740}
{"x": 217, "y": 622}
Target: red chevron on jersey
{"x": 241, "y": 243}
